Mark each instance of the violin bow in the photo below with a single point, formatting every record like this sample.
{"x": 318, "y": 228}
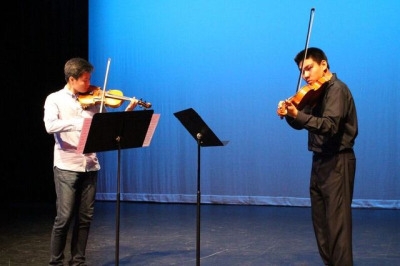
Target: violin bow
{"x": 306, "y": 46}
{"x": 105, "y": 84}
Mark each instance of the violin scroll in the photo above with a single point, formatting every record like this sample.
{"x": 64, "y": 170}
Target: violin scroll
{"x": 144, "y": 104}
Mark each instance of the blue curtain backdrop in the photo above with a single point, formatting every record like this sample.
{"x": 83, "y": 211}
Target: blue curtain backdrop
{"x": 232, "y": 61}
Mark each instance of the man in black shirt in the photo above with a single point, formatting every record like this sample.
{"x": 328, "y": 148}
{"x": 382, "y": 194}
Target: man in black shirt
{"x": 326, "y": 109}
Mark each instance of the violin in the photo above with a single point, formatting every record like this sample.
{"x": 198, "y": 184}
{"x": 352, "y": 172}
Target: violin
{"x": 112, "y": 98}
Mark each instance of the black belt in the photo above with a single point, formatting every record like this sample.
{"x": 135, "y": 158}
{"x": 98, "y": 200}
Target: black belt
{"x": 348, "y": 150}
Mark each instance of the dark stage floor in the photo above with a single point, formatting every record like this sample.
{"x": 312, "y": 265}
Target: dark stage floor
{"x": 166, "y": 234}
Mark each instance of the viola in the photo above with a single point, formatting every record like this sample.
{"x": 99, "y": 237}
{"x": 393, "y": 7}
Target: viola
{"x": 308, "y": 94}
{"x": 112, "y": 98}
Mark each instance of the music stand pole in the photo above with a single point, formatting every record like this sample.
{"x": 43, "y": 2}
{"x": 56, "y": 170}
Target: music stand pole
{"x": 117, "y": 213}
{"x": 198, "y": 201}
{"x": 205, "y": 137}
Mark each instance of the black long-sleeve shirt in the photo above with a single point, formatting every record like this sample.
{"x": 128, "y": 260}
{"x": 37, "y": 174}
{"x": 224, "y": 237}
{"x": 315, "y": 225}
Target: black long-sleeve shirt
{"x": 332, "y": 122}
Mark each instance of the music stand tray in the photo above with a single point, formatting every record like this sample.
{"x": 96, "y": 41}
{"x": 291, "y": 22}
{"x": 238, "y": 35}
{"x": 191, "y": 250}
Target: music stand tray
{"x": 101, "y": 132}
{"x": 193, "y": 123}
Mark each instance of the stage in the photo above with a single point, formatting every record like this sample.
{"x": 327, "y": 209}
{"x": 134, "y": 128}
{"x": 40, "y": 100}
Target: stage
{"x": 165, "y": 234}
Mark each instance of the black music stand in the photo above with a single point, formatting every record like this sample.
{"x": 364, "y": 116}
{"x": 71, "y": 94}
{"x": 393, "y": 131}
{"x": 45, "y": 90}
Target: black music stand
{"x": 205, "y": 137}
{"x": 116, "y": 131}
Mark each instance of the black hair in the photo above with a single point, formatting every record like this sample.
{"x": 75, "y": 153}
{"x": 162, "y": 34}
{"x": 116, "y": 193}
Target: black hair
{"x": 315, "y": 53}
{"x": 75, "y": 67}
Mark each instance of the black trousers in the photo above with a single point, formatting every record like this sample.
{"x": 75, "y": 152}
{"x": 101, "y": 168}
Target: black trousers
{"x": 331, "y": 192}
